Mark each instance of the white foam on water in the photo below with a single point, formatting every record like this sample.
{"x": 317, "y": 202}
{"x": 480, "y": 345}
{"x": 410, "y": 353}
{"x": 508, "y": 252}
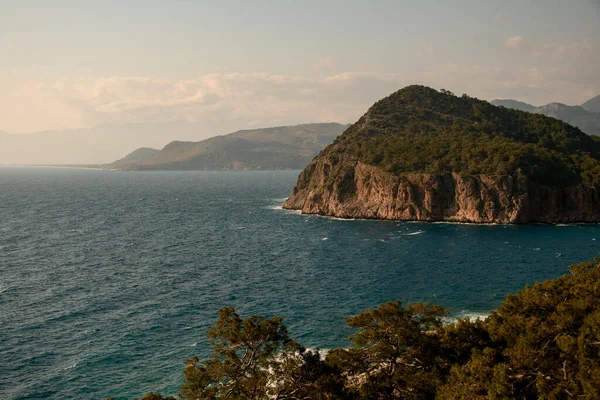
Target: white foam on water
{"x": 472, "y": 315}
{"x": 322, "y": 352}
{"x": 412, "y": 233}
{"x": 279, "y": 207}
{"x": 70, "y": 367}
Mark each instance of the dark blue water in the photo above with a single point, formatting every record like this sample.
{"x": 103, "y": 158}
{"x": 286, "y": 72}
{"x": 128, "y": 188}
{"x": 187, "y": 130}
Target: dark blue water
{"x": 109, "y": 280}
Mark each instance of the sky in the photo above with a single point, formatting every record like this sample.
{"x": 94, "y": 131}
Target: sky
{"x": 225, "y": 65}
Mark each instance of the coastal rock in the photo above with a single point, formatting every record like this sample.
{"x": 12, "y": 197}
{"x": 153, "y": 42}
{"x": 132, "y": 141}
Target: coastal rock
{"x": 342, "y": 188}
{"x": 426, "y": 155}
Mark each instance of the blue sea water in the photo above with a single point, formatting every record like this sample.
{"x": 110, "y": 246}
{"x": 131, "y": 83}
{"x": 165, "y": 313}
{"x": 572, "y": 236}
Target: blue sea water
{"x": 109, "y": 280}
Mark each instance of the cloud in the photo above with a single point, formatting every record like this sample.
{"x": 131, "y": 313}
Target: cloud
{"x": 565, "y": 51}
{"x": 325, "y": 63}
{"x": 428, "y": 49}
{"x": 514, "y": 42}
{"x": 248, "y": 98}
{"x": 225, "y": 101}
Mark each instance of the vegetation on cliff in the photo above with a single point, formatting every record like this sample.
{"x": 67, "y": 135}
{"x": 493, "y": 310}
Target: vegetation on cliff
{"x": 543, "y": 342}
{"x": 419, "y": 129}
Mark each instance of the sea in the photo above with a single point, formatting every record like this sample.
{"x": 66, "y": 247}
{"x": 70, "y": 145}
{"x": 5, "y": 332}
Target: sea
{"x": 110, "y": 280}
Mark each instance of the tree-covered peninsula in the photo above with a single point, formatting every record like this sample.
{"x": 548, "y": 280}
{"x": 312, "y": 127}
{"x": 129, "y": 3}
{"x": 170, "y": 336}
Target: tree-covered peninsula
{"x": 422, "y": 154}
{"x": 541, "y": 343}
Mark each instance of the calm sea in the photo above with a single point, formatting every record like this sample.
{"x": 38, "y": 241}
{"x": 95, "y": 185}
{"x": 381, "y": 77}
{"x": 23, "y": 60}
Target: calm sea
{"x": 109, "y": 280}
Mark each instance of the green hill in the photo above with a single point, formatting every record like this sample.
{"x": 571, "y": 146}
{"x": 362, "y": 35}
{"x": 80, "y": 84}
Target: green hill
{"x": 136, "y": 156}
{"x": 419, "y": 129}
{"x": 425, "y": 155}
{"x": 514, "y": 104}
{"x": 285, "y": 147}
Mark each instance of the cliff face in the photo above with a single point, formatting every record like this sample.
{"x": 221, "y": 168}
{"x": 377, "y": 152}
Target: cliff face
{"x": 424, "y": 155}
{"x": 336, "y": 185}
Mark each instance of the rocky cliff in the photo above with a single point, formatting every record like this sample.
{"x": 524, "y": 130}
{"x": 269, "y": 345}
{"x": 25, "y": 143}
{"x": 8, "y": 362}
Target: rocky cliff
{"x": 352, "y": 189}
{"x": 339, "y": 182}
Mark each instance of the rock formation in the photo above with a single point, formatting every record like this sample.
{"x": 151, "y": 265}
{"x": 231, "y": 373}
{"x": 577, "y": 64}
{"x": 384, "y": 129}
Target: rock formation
{"x": 339, "y": 183}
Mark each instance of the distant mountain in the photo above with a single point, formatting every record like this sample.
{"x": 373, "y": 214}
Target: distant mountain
{"x": 587, "y": 121}
{"x": 284, "y": 147}
{"x": 135, "y": 157}
{"x": 514, "y": 104}
{"x": 98, "y": 145}
{"x": 592, "y": 105}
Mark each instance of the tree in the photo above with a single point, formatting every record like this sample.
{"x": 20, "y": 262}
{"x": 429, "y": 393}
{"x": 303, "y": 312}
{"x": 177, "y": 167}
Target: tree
{"x": 545, "y": 344}
{"x": 244, "y": 352}
{"x": 394, "y": 351}
{"x": 302, "y": 374}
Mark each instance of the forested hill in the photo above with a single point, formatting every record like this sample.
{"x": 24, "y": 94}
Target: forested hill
{"x": 585, "y": 117}
{"x": 418, "y": 129}
{"x": 285, "y": 147}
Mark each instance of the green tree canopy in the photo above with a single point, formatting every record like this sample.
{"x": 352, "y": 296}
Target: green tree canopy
{"x": 541, "y": 343}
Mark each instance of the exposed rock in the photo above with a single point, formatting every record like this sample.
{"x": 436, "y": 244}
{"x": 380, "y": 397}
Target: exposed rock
{"x": 351, "y": 189}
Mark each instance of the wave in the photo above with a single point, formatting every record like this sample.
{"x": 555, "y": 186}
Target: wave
{"x": 70, "y": 367}
{"x": 412, "y": 233}
{"x": 472, "y": 315}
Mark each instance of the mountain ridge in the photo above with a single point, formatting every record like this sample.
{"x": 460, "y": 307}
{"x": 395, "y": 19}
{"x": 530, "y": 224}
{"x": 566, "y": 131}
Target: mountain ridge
{"x": 584, "y": 118}
{"x": 283, "y": 147}
{"x": 592, "y": 104}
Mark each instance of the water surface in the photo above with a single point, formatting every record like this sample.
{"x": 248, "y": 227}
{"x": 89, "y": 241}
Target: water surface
{"x": 109, "y": 280}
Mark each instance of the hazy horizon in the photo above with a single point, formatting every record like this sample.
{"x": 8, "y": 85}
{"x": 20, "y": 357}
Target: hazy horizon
{"x": 198, "y": 69}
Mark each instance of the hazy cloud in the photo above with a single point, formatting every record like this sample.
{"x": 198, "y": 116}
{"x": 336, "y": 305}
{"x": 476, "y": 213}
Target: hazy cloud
{"x": 514, "y": 42}
{"x": 241, "y": 100}
{"x": 325, "y": 63}
{"x": 428, "y": 49}
{"x": 565, "y": 51}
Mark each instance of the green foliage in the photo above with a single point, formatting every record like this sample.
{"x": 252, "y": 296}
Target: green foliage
{"x": 542, "y": 343}
{"x": 394, "y": 351}
{"x": 545, "y": 344}
{"x": 244, "y": 351}
{"x": 418, "y": 129}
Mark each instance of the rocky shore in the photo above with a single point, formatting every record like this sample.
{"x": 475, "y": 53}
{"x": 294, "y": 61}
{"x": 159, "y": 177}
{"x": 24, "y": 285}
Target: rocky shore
{"x": 335, "y": 186}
